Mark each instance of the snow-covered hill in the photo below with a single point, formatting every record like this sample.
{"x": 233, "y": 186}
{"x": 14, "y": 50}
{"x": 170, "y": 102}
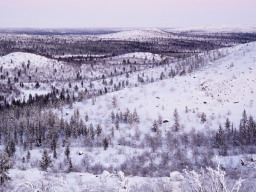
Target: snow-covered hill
{"x": 222, "y": 89}
{"x": 139, "y": 34}
{"x": 216, "y": 29}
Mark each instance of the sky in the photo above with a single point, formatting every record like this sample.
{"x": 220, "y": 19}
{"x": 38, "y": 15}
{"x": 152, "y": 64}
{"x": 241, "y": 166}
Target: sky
{"x": 125, "y": 13}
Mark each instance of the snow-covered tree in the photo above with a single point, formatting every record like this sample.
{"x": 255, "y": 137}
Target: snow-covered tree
{"x": 98, "y": 130}
{"x": 136, "y": 118}
{"x": 67, "y": 151}
{"x": 105, "y": 143}
{"x": 203, "y": 117}
{"x": 5, "y": 165}
{"x": 210, "y": 180}
{"x": 46, "y": 160}
{"x": 176, "y": 125}
{"x": 28, "y": 156}
{"x": 155, "y": 126}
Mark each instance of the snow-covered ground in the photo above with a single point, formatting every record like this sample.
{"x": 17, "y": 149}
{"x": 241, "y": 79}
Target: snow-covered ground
{"x": 139, "y": 34}
{"x": 140, "y": 55}
{"x": 222, "y": 89}
{"x": 33, "y": 180}
{"x": 216, "y": 29}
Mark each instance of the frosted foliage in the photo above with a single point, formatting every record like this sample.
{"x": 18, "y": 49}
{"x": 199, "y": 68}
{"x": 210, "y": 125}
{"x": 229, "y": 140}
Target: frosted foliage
{"x": 210, "y": 180}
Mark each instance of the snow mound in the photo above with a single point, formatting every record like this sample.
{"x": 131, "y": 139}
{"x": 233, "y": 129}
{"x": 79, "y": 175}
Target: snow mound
{"x": 15, "y": 59}
{"x": 176, "y": 176}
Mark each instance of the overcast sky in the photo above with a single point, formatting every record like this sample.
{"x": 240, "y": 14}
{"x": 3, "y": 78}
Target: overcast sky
{"x": 126, "y": 13}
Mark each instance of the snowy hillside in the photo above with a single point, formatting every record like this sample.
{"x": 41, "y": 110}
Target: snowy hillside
{"x": 223, "y": 88}
{"x": 140, "y": 35}
{"x": 217, "y": 29}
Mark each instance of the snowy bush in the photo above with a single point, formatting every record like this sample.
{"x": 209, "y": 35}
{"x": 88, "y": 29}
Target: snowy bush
{"x": 210, "y": 180}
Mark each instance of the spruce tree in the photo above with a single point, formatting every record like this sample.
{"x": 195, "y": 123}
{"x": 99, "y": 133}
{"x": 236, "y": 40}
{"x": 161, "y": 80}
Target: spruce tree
{"x": 28, "y": 156}
{"x": 176, "y": 125}
{"x": 67, "y": 151}
{"x": 98, "y": 130}
{"x": 136, "y": 118}
{"x": 219, "y": 137}
{"x": 203, "y": 117}
{"x": 117, "y": 124}
{"x": 70, "y": 165}
{"x": 155, "y": 126}
{"x": 105, "y": 143}
{"x": 227, "y": 126}
{"x": 46, "y": 160}
{"x": 92, "y": 134}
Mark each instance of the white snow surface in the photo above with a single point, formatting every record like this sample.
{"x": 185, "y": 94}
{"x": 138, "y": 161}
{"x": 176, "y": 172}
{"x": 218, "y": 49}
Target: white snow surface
{"x": 217, "y": 29}
{"x": 34, "y": 180}
{"x": 20, "y": 57}
{"x": 141, "y": 55}
{"x": 138, "y": 34}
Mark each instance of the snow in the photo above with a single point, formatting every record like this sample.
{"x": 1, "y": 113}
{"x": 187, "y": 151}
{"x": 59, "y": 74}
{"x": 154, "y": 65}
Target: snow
{"x": 19, "y": 57}
{"x": 32, "y": 179}
{"x": 222, "y": 89}
{"x": 139, "y": 34}
{"x": 140, "y": 55}
{"x": 216, "y": 29}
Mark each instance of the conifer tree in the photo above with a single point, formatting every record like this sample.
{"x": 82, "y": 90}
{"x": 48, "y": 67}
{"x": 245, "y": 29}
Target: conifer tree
{"x": 105, "y": 143}
{"x": 92, "y": 134}
{"x": 227, "y": 126}
{"x": 117, "y": 123}
{"x": 176, "y": 125}
{"x": 155, "y": 126}
{"x": 70, "y": 165}
{"x": 54, "y": 153}
{"x": 203, "y": 117}
{"x": 46, "y": 160}
{"x": 98, "y": 130}
{"x": 67, "y": 151}
{"x": 113, "y": 116}
{"x": 28, "y": 156}
{"x": 135, "y": 117}
{"x": 220, "y": 137}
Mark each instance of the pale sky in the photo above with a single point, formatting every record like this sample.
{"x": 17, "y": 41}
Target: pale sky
{"x": 126, "y": 13}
